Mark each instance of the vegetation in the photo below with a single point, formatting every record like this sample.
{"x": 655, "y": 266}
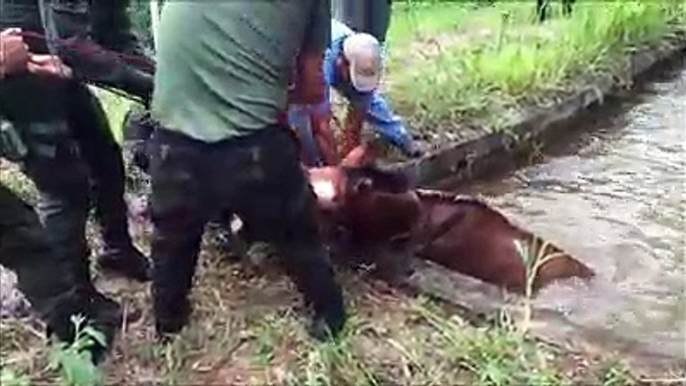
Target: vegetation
{"x": 74, "y": 361}
{"x": 452, "y": 64}
{"x": 496, "y": 61}
{"x": 247, "y": 328}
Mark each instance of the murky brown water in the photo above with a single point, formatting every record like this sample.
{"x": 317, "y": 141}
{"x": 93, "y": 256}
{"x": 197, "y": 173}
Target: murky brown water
{"x": 617, "y": 201}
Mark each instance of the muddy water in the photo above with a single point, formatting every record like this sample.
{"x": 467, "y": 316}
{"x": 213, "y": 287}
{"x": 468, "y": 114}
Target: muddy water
{"x": 616, "y": 199}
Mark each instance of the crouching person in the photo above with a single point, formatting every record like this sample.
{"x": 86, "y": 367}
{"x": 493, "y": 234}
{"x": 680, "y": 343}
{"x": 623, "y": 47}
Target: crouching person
{"x": 221, "y": 88}
{"x": 352, "y": 65}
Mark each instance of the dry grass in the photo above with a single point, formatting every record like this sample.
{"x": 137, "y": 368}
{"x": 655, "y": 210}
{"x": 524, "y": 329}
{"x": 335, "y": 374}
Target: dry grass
{"x": 248, "y": 328}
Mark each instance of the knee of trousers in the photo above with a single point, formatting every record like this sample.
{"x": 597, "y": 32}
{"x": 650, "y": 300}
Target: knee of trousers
{"x": 67, "y": 200}
{"x": 63, "y": 207}
{"x": 58, "y": 170}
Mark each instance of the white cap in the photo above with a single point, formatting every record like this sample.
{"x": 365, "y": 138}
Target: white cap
{"x": 364, "y": 55}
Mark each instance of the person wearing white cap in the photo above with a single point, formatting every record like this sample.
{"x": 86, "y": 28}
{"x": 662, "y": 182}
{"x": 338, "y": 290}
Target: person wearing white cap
{"x": 353, "y": 66}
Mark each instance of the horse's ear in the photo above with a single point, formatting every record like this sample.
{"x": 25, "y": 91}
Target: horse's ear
{"x": 362, "y": 155}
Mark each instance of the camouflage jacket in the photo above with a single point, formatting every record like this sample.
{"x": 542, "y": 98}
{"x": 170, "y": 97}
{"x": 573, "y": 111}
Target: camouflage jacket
{"x": 93, "y": 37}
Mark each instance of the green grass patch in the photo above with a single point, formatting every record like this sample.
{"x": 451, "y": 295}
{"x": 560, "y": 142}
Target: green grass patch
{"x": 465, "y": 64}
{"x": 482, "y": 78}
{"x": 415, "y": 20}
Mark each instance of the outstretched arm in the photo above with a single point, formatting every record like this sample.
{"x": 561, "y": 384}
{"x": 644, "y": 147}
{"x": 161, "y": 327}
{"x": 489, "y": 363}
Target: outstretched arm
{"x": 389, "y": 125}
{"x": 111, "y": 55}
{"x": 373, "y": 108}
{"x": 15, "y": 57}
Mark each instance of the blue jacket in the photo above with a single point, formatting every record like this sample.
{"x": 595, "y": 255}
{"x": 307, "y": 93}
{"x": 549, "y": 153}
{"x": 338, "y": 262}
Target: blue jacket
{"x": 388, "y": 125}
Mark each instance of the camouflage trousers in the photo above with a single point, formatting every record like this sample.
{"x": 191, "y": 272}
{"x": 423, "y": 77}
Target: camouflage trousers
{"x": 48, "y": 283}
{"x": 72, "y": 157}
{"x": 260, "y": 178}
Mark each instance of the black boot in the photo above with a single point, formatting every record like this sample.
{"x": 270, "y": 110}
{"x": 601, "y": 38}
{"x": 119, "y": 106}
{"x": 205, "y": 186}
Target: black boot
{"x": 172, "y": 312}
{"x": 168, "y": 324}
{"x": 107, "y": 316}
{"x": 119, "y": 254}
{"x": 312, "y": 273}
{"x": 328, "y": 320}
{"x": 127, "y": 261}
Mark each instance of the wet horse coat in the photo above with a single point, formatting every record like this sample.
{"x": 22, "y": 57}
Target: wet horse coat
{"x": 466, "y": 235}
{"x": 382, "y": 214}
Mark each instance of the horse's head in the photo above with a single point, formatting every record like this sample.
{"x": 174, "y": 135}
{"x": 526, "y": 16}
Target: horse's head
{"x": 374, "y": 205}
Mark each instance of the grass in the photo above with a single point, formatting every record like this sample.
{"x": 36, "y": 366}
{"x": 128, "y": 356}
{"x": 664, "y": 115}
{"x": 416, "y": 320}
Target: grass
{"x": 72, "y": 360}
{"x": 485, "y": 79}
{"x": 248, "y": 328}
{"x": 463, "y": 65}
{"x": 415, "y": 21}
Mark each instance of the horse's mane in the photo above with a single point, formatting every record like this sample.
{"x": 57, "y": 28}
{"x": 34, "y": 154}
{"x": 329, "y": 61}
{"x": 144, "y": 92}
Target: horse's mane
{"x": 382, "y": 180}
{"x": 476, "y": 202}
{"x": 450, "y": 197}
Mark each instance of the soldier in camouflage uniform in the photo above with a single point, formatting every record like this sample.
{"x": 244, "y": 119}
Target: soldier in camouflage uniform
{"x": 47, "y": 281}
{"x": 224, "y": 142}
{"x": 70, "y": 146}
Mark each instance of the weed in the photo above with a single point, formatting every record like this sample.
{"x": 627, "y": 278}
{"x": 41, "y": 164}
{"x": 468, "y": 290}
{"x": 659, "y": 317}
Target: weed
{"x": 534, "y": 255}
{"x": 74, "y": 360}
{"x": 9, "y": 377}
{"x": 613, "y": 373}
{"x": 501, "y": 356}
{"x": 478, "y": 79}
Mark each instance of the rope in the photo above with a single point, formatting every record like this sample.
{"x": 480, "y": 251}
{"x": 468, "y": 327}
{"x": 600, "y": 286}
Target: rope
{"x": 85, "y": 48}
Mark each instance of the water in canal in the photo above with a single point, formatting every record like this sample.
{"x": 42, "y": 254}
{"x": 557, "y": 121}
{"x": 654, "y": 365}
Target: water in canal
{"x": 616, "y": 199}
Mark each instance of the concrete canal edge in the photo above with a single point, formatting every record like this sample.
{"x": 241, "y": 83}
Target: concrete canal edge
{"x": 470, "y": 158}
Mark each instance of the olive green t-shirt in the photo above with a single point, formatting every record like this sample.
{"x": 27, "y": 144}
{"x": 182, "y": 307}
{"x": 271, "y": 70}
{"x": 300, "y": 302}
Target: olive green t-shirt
{"x": 223, "y": 66}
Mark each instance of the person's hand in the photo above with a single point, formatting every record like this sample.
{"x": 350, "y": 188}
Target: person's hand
{"x": 14, "y": 53}
{"x": 48, "y": 65}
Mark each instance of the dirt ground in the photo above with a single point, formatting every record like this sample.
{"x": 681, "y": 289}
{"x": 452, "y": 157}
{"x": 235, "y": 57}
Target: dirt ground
{"x": 248, "y": 327}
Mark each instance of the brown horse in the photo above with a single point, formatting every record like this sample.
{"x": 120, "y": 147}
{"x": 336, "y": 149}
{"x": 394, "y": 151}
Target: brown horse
{"x": 382, "y": 214}
{"x": 466, "y": 235}
{"x": 367, "y": 214}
